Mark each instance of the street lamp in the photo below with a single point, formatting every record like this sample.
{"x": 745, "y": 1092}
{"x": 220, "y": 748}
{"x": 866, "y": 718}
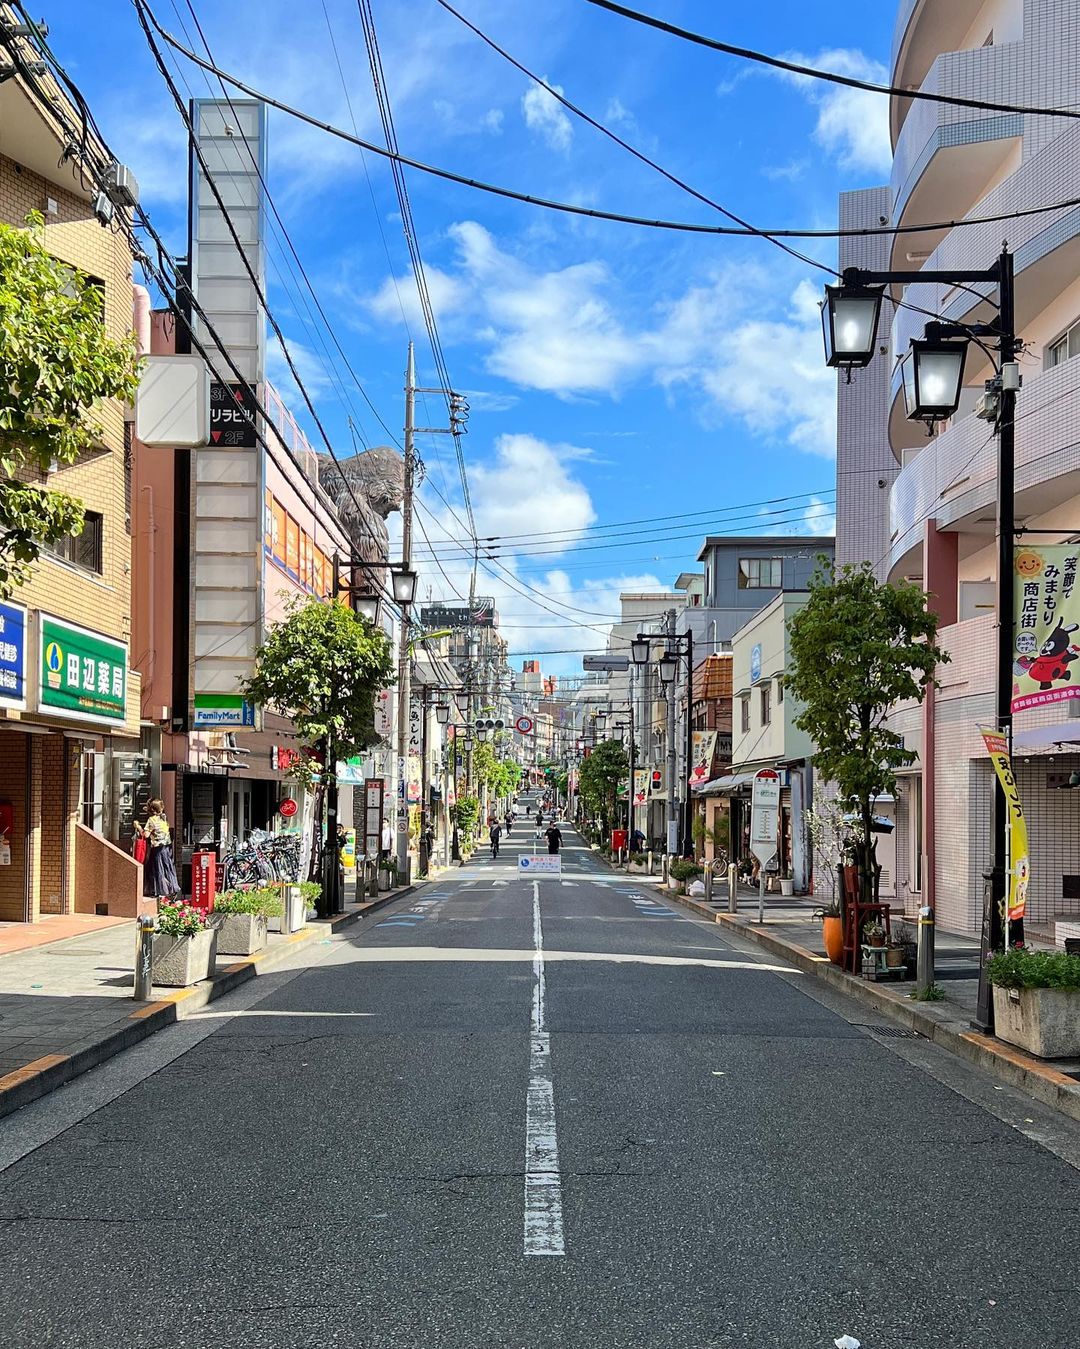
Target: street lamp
{"x": 639, "y": 650}
{"x": 933, "y": 376}
{"x": 482, "y": 733}
{"x": 404, "y": 580}
{"x": 442, "y": 713}
{"x": 849, "y": 321}
{"x": 667, "y": 666}
{"x": 933, "y": 371}
{"x": 367, "y": 606}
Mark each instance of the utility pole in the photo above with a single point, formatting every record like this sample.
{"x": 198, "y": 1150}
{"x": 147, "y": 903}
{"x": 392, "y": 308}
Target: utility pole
{"x": 672, "y": 753}
{"x": 402, "y": 821}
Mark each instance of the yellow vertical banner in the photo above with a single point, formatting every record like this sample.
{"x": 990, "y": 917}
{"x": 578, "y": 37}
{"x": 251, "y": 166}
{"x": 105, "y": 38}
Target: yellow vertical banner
{"x": 997, "y": 746}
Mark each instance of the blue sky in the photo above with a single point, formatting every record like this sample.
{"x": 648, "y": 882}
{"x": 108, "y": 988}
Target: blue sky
{"x": 614, "y": 373}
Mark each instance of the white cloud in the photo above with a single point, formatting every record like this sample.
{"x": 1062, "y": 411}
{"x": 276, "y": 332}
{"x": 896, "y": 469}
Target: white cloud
{"x": 544, "y": 114}
{"x": 311, "y": 368}
{"x": 492, "y": 121}
{"x": 755, "y": 352}
{"x": 852, "y": 124}
{"x": 400, "y": 293}
{"x": 618, "y": 114}
{"x": 528, "y": 490}
{"x": 819, "y": 518}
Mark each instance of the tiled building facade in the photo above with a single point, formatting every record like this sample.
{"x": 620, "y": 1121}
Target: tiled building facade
{"x": 51, "y": 760}
{"x": 924, "y": 508}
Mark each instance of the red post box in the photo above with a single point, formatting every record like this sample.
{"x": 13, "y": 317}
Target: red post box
{"x": 618, "y": 839}
{"x": 203, "y": 880}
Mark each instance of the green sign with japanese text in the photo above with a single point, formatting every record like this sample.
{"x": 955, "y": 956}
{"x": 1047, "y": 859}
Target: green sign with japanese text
{"x": 83, "y": 673}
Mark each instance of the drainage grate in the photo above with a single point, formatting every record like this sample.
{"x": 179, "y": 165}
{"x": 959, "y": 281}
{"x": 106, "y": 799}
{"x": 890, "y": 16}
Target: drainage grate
{"x": 896, "y": 1032}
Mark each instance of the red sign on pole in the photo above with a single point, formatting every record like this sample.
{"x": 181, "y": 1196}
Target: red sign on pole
{"x": 287, "y": 808}
{"x": 203, "y": 880}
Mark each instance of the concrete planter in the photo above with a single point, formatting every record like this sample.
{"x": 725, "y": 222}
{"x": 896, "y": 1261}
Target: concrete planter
{"x": 180, "y": 961}
{"x": 386, "y": 880}
{"x": 240, "y": 934}
{"x": 674, "y": 885}
{"x": 1044, "y": 1021}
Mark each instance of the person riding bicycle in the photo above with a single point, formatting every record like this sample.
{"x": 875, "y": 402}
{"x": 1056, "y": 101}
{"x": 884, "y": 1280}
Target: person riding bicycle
{"x": 495, "y": 834}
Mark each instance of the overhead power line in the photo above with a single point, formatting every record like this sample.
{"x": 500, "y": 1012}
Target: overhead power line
{"x": 96, "y": 165}
{"x": 829, "y": 76}
{"x": 569, "y": 208}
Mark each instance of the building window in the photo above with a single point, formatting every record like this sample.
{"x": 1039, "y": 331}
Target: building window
{"x": 1062, "y": 348}
{"x": 759, "y": 573}
{"x": 82, "y": 550}
{"x": 779, "y": 689}
{"x": 766, "y": 704}
{"x": 915, "y": 823}
{"x": 745, "y": 702}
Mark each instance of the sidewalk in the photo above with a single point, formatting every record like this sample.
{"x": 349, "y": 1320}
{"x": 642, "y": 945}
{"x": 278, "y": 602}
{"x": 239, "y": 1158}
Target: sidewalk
{"x": 791, "y": 932}
{"x": 66, "y": 1004}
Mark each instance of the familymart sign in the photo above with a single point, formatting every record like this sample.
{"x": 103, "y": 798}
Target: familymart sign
{"x": 83, "y": 673}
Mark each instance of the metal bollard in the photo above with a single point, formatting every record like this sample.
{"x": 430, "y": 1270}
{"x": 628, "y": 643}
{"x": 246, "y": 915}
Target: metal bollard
{"x": 733, "y": 888}
{"x": 665, "y": 862}
{"x": 649, "y": 857}
{"x": 144, "y": 960}
{"x": 924, "y": 971}
{"x": 708, "y": 883}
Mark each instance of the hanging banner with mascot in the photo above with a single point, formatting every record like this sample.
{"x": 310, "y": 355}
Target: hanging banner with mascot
{"x": 1046, "y": 653}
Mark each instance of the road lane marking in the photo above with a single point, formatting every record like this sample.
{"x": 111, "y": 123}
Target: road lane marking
{"x": 543, "y": 1185}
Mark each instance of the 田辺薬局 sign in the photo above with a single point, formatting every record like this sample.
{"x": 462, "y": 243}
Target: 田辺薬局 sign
{"x": 83, "y": 673}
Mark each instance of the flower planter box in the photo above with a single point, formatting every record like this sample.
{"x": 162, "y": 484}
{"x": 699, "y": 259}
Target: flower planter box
{"x": 180, "y": 961}
{"x": 1044, "y": 1021}
{"x": 787, "y": 886}
{"x": 386, "y": 880}
{"x": 240, "y": 934}
{"x": 674, "y": 885}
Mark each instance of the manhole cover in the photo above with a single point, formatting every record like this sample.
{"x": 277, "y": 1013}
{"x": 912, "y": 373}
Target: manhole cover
{"x": 896, "y": 1032}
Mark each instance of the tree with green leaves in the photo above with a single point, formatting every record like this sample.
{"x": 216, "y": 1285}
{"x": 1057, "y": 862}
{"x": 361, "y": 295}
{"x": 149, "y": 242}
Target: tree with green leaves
{"x": 858, "y": 647}
{"x": 598, "y": 782}
{"x": 56, "y": 366}
{"x": 322, "y": 667}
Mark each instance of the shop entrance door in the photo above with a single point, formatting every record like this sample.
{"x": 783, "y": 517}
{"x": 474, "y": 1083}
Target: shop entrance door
{"x": 239, "y": 817}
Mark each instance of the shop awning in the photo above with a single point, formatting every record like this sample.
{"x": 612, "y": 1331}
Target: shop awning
{"x": 722, "y": 785}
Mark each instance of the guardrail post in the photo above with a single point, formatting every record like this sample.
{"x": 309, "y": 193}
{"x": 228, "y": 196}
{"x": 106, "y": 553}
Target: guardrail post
{"x": 144, "y": 960}
{"x": 708, "y": 882}
{"x": 924, "y": 970}
{"x": 732, "y": 888}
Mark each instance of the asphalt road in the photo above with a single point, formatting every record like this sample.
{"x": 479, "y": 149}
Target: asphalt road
{"x": 536, "y": 1113}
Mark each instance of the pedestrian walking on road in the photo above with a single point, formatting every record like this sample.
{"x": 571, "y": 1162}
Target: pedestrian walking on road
{"x": 554, "y": 838}
{"x": 159, "y": 874}
{"x": 509, "y": 822}
{"x": 495, "y": 834}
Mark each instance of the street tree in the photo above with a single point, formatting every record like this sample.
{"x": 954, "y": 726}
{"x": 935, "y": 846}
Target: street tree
{"x": 598, "y": 782}
{"x": 322, "y": 666}
{"x": 56, "y": 367}
{"x": 858, "y": 647}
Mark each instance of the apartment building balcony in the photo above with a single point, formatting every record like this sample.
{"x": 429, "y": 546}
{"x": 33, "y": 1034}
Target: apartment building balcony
{"x": 953, "y": 479}
{"x": 946, "y": 158}
{"x": 922, "y": 29}
{"x": 1047, "y": 259}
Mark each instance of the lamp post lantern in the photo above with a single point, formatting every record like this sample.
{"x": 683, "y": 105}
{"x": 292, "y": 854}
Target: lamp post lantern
{"x": 849, "y": 321}
{"x": 639, "y": 650}
{"x": 933, "y": 378}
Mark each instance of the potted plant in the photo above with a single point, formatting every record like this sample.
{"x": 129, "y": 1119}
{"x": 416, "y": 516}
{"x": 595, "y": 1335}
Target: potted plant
{"x": 832, "y": 930}
{"x": 1037, "y": 1001}
{"x": 309, "y": 892}
{"x": 894, "y": 955}
{"x": 683, "y": 869}
{"x": 240, "y": 917}
{"x": 903, "y": 938}
{"x": 787, "y": 884}
{"x": 387, "y": 868}
{"x": 184, "y": 945}
{"x": 873, "y": 934}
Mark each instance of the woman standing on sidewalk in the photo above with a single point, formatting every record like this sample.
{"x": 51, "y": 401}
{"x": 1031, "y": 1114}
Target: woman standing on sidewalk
{"x": 159, "y": 872}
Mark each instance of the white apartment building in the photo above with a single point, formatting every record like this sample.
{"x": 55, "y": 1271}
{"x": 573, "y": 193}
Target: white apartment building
{"x": 922, "y": 507}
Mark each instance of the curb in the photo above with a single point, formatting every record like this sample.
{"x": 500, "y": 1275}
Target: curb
{"x": 44, "y": 1075}
{"x": 1005, "y": 1062}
